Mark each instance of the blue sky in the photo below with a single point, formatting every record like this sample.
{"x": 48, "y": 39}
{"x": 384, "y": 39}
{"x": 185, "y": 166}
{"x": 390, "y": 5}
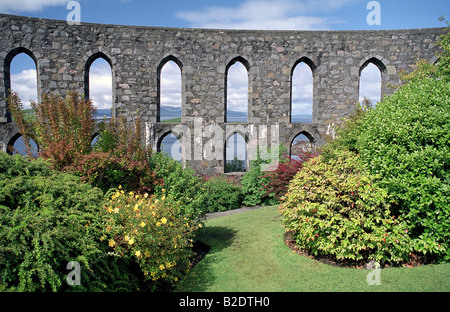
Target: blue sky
{"x": 256, "y": 14}
{"x": 240, "y": 14}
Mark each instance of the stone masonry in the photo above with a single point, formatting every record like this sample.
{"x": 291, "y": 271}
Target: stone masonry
{"x": 63, "y": 54}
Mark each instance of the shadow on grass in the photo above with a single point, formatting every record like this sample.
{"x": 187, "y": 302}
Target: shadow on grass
{"x": 208, "y": 242}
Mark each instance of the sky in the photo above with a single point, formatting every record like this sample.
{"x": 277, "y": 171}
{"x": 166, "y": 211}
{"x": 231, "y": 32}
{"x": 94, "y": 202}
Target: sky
{"x": 226, "y": 14}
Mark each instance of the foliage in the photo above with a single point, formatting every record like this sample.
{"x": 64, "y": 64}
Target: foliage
{"x": 222, "y": 194}
{"x": 254, "y": 180}
{"x": 45, "y": 223}
{"x": 12, "y": 166}
{"x": 348, "y": 131}
{"x": 63, "y": 127}
{"x": 15, "y": 106}
{"x": 279, "y": 178}
{"x": 443, "y": 65}
{"x": 148, "y": 230}
{"x": 118, "y": 159}
{"x": 334, "y": 209}
{"x": 235, "y": 165}
{"x": 181, "y": 185}
{"x": 406, "y": 141}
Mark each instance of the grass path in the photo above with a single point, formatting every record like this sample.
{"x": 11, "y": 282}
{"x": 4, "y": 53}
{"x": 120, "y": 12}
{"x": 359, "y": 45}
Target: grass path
{"x": 248, "y": 254}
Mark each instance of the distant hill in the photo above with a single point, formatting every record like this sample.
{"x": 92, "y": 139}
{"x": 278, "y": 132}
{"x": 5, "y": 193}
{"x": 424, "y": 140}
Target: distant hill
{"x": 175, "y": 112}
{"x": 301, "y": 118}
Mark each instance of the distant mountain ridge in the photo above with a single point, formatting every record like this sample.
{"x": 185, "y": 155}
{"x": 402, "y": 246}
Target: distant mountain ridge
{"x": 175, "y": 112}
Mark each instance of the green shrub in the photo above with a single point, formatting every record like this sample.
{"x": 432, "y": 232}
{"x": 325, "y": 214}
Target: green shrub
{"x": 47, "y": 222}
{"x": 107, "y": 170}
{"x": 406, "y": 141}
{"x": 62, "y": 126}
{"x": 118, "y": 158}
{"x": 180, "y": 185}
{"x": 149, "y": 231}
{"x": 223, "y": 194}
{"x": 253, "y": 185}
{"x": 235, "y": 165}
{"x": 334, "y": 209}
{"x": 17, "y": 165}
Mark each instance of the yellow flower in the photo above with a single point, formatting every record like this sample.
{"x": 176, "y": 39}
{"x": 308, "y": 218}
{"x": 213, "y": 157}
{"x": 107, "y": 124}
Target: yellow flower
{"x": 146, "y": 195}
{"x": 138, "y": 253}
{"x": 175, "y": 279}
{"x": 126, "y": 238}
{"x": 135, "y": 208}
{"x": 131, "y": 241}
{"x": 163, "y": 220}
{"x": 111, "y": 243}
{"x": 142, "y": 224}
{"x": 161, "y": 267}
{"x": 120, "y": 187}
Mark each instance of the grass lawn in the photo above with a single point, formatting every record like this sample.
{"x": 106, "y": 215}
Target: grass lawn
{"x": 248, "y": 253}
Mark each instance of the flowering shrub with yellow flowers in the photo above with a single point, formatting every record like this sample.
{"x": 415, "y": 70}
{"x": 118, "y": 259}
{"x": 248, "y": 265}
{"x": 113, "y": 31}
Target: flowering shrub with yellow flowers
{"x": 150, "y": 231}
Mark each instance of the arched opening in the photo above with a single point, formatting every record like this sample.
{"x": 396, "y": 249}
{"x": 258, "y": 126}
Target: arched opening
{"x": 17, "y": 145}
{"x": 170, "y": 89}
{"x": 370, "y": 81}
{"x": 94, "y": 140}
{"x": 236, "y": 91}
{"x": 170, "y": 145}
{"x": 301, "y": 144}
{"x": 99, "y": 84}
{"x": 302, "y": 85}
{"x": 21, "y": 75}
{"x": 236, "y": 153}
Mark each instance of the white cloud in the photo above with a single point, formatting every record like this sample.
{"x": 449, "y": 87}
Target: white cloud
{"x": 8, "y": 6}
{"x": 267, "y": 15}
{"x": 370, "y": 84}
{"x": 100, "y": 84}
{"x": 25, "y": 84}
{"x": 171, "y": 85}
{"x": 237, "y": 88}
{"x": 302, "y": 90}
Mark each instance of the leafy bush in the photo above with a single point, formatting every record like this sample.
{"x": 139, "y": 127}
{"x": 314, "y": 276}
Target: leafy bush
{"x": 279, "y": 178}
{"x": 406, "y": 142}
{"x": 106, "y": 171}
{"x": 334, "y": 209}
{"x": 235, "y": 165}
{"x": 118, "y": 158}
{"x": 63, "y": 127}
{"x": 17, "y": 165}
{"x": 253, "y": 185}
{"x": 45, "y": 223}
{"x": 222, "y": 194}
{"x": 149, "y": 230}
{"x": 181, "y": 185}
